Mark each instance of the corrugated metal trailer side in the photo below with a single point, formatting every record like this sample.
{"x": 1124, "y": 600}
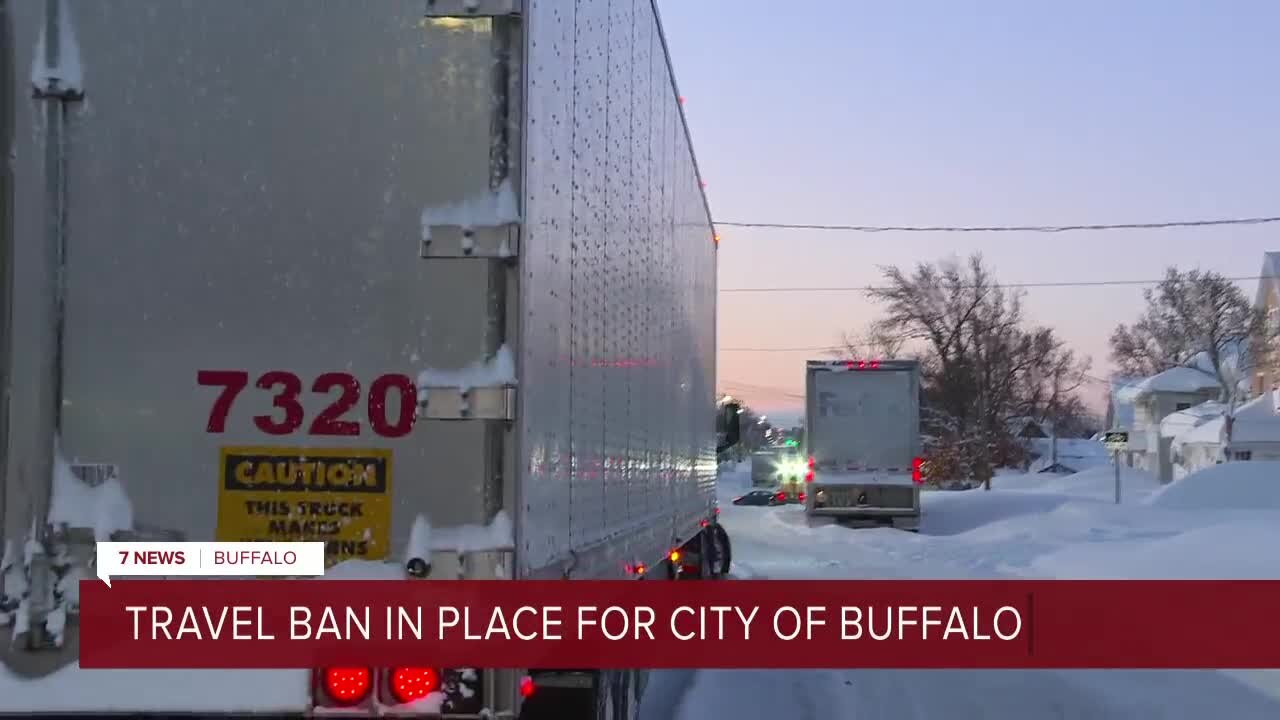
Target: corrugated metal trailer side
{"x": 618, "y": 362}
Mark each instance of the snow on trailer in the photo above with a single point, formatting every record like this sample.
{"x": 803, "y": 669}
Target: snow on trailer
{"x": 416, "y": 316}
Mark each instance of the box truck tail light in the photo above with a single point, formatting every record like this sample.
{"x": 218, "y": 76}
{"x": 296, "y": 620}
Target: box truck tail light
{"x": 917, "y": 470}
{"x": 812, "y": 462}
{"x": 348, "y": 685}
{"x": 410, "y": 685}
{"x": 808, "y": 477}
{"x": 527, "y": 687}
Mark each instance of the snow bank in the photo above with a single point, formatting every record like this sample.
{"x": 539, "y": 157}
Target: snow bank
{"x": 1096, "y": 483}
{"x": 1230, "y": 486}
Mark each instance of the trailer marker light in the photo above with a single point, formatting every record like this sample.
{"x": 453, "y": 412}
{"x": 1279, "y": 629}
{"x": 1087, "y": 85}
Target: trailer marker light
{"x": 413, "y": 684}
{"x": 640, "y": 569}
{"x": 347, "y": 685}
{"x": 875, "y": 364}
{"x": 704, "y": 522}
{"x": 808, "y": 477}
{"x": 917, "y": 470}
{"x": 675, "y": 556}
{"x": 527, "y": 687}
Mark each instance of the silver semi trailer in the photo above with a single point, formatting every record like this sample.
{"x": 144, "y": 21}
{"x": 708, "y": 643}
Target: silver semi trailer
{"x": 431, "y": 280}
{"x": 862, "y": 433}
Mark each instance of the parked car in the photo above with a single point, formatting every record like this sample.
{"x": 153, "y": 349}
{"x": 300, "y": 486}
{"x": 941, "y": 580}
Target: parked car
{"x": 759, "y": 497}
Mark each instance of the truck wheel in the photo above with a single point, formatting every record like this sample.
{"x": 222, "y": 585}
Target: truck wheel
{"x": 722, "y": 551}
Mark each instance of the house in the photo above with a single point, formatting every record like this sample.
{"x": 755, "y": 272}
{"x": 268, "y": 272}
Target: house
{"x": 1267, "y": 369}
{"x": 1255, "y": 435}
{"x": 1159, "y": 396}
{"x": 1072, "y": 454}
{"x": 1179, "y": 424}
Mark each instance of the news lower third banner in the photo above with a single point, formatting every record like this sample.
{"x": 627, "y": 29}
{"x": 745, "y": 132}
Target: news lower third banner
{"x": 661, "y": 624}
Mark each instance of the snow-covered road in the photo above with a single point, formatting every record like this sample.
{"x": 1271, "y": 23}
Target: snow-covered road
{"x": 1067, "y": 527}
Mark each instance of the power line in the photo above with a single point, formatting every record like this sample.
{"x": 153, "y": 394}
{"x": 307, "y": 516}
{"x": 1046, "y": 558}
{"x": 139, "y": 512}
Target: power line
{"x": 1064, "y": 283}
{"x": 1006, "y": 228}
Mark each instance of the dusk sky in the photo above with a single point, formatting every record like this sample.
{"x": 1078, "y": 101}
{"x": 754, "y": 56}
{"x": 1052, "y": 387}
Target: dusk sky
{"x": 987, "y": 112}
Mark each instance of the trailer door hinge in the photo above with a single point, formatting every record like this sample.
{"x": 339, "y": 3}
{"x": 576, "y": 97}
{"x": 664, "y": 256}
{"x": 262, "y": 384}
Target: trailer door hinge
{"x": 456, "y": 241}
{"x": 474, "y": 8}
{"x": 480, "y": 403}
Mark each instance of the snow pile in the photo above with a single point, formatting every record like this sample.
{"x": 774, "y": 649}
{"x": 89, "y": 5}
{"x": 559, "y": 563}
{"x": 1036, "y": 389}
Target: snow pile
{"x": 499, "y": 534}
{"x": 497, "y": 370}
{"x": 1229, "y": 486}
{"x": 105, "y": 509}
{"x": 1096, "y": 483}
{"x": 67, "y": 71}
{"x": 486, "y": 209}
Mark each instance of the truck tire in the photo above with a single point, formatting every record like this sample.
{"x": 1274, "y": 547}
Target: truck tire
{"x": 723, "y": 555}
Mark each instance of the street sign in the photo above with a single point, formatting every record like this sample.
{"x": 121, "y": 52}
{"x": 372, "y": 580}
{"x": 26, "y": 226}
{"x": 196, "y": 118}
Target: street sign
{"x": 1116, "y": 440}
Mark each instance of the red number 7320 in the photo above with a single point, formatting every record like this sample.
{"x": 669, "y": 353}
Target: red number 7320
{"x": 289, "y": 415}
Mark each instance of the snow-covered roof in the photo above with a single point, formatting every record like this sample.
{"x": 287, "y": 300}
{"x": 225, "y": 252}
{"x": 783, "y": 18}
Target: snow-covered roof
{"x": 1182, "y": 379}
{"x": 1255, "y": 422}
{"x": 1190, "y": 419}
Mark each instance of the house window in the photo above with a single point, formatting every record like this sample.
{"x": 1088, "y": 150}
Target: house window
{"x": 1243, "y": 455}
{"x": 1181, "y": 406}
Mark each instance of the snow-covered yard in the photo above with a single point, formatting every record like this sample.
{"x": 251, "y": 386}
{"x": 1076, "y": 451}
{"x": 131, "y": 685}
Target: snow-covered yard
{"x": 1208, "y": 526}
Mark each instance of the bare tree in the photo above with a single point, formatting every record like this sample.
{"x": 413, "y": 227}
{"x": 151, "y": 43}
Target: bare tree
{"x": 877, "y": 340}
{"x": 981, "y": 367}
{"x": 1191, "y": 313}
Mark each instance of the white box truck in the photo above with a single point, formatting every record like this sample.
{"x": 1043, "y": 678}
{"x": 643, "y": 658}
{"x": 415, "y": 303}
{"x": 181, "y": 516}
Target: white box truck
{"x": 253, "y": 250}
{"x": 862, "y": 436}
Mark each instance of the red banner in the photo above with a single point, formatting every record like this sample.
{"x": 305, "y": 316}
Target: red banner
{"x": 659, "y": 624}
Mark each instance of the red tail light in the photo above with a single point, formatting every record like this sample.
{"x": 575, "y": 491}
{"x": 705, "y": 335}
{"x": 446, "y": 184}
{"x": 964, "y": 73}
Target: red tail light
{"x": 347, "y": 685}
{"x": 812, "y": 463}
{"x": 801, "y": 497}
{"x": 410, "y": 685}
{"x": 527, "y": 687}
{"x": 704, "y": 523}
{"x": 875, "y": 364}
{"x": 782, "y": 496}
{"x": 808, "y": 477}
{"x": 917, "y": 470}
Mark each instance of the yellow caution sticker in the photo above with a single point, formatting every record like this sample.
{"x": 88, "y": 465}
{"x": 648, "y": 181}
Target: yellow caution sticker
{"x": 336, "y": 495}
